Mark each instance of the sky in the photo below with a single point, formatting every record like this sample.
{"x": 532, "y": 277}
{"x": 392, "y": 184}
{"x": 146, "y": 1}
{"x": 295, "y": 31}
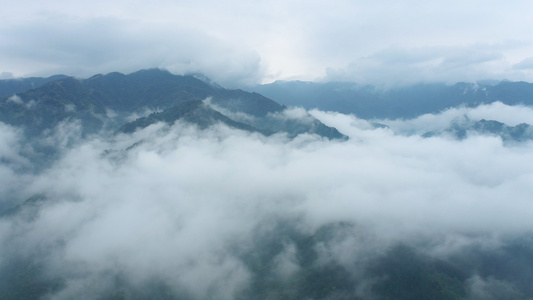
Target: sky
{"x": 187, "y": 206}
{"x": 239, "y": 43}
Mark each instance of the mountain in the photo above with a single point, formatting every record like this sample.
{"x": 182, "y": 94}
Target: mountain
{"x": 370, "y": 102}
{"x": 519, "y": 133}
{"x": 193, "y": 111}
{"x": 105, "y": 101}
{"x": 10, "y": 87}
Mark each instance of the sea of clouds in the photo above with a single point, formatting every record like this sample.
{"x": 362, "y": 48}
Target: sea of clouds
{"x": 186, "y": 208}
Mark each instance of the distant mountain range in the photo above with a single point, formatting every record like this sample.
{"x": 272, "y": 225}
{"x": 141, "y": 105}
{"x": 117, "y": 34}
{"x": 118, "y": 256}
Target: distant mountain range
{"x": 519, "y": 133}
{"x": 369, "y": 102}
{"x": 105, "y": 101}
{"x": 109, "y": 102}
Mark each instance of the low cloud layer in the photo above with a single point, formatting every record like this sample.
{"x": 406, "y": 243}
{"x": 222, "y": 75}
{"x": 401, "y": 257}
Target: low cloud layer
{"x": 188, "y": 210}
{"x": 497, "y": 111}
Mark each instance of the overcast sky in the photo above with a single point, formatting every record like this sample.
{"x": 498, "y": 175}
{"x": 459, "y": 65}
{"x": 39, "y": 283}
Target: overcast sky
{"x": 244, "y": 42}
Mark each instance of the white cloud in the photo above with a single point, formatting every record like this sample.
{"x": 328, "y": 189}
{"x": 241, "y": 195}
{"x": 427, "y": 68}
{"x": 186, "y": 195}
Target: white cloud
{"x": 15, "y": 99}
{"x": 12, "y": 163}
{"x": 491, "y": 288}
{"x": 497, "y": 111}
{"x": 180, "y": 205}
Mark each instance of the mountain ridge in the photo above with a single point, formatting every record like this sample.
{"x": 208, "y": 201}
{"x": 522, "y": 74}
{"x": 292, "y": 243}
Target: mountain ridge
{"x": 9, "y": 87}
{"x": 370, "y": 102}
{"x": 365, "y": 101}
{"x": 192, "y": 111}
{"x": 95, "y": 99}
